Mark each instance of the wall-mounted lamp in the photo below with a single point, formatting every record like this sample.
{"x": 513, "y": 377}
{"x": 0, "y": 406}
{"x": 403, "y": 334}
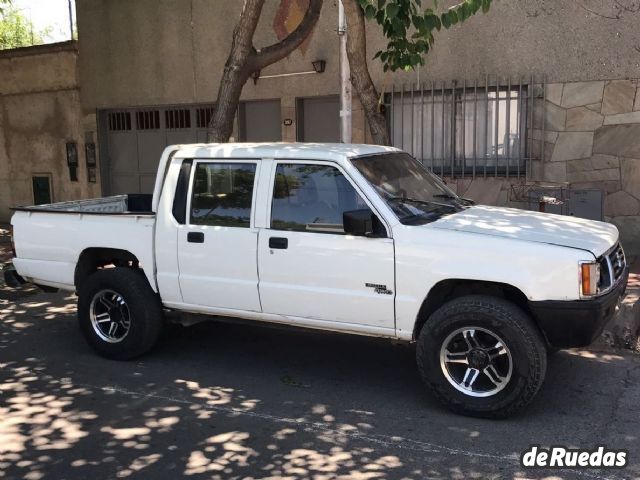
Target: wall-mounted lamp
{"x": 318, "y": 67}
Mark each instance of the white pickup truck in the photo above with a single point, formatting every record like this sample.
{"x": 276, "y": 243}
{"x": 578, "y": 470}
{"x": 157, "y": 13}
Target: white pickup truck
{"x": 350, "y": 238}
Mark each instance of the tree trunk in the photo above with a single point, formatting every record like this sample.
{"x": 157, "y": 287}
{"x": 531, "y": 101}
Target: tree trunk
{"x": 236, "y": 72}
{"x": 360, "y": 77}
{"x": 245, "y": 59}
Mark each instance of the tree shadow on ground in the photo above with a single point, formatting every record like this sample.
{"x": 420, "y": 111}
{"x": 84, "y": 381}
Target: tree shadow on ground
{"x": 235, "y": 401}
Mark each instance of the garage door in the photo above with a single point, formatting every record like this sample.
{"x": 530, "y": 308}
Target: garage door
{"x": 318, "y": 119}
{"x": 135, "y": 138}
{"x": 259, "y": 121}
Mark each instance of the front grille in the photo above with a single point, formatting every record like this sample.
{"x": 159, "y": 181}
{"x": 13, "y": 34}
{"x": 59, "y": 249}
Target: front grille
{"x": 612, "y": 266}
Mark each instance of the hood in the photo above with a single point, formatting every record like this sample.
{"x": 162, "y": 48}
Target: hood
{"x": 596, "y": 237}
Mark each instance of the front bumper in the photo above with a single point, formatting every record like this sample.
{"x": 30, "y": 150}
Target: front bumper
{"x": 578, "y": 323}
{"x": 11, "y": 277}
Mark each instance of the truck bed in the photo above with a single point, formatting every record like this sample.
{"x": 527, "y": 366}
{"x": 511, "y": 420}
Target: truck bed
{"x": 51, "y": 238}
{"x": 132, "y": 204}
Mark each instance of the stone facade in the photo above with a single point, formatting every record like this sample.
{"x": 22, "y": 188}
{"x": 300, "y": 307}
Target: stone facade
{"x": 592, "y": 140}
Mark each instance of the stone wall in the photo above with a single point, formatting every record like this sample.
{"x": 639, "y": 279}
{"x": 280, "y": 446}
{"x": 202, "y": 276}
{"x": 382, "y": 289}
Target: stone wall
{"x": 39, "y": 113}
{"x": 592, "y": 140}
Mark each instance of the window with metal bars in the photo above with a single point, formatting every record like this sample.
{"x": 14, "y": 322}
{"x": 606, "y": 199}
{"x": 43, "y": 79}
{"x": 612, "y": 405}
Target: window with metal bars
{"x": 203, "y": 117}
{"x": 179, "y": 118}
{"x": 148, "y": 119}
{"x": 119, "y": 121}
{"x": 473, "y": 130}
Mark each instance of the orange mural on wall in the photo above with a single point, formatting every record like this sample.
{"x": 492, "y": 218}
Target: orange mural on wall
{"x": 288, "y": 16}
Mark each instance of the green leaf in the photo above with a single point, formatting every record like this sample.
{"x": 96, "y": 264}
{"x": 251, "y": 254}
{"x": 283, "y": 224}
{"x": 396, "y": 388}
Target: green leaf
{"x": 453, "y": 17}
{"x": 431, "y": 22}
{"x": 461, "y": 12}
{"x": 370, "y": 12}
{"x": 446, "y": 20}
{"x": 392, "y": 10}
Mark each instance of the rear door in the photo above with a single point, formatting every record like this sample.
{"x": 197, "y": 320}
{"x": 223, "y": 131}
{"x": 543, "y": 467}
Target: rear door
{"x": 308, "y": 266}
{"x": 217, "y": 249}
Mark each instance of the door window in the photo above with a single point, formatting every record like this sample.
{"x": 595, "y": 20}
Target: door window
{"x": 312, "y": 198}
{"x": 222, "y": 194}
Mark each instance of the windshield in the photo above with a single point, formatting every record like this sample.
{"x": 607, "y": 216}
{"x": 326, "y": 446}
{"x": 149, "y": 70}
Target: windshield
{"x": 414, "y": 194}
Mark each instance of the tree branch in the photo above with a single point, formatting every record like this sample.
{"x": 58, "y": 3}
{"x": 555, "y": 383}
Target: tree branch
{"x": 360, "y": 77}
{"x": 273, "y": 53}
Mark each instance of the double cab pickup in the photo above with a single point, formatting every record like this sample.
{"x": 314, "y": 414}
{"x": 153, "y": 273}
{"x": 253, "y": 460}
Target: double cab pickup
{"x": 358, "y": 239}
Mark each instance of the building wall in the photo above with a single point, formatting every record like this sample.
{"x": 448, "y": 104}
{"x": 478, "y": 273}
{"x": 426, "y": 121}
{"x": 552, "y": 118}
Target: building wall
{"x": 39, "y": 113}
{"x": 171, "y": 52}
{"x": 592, "y": 140}
{"x": 152, "y": 52}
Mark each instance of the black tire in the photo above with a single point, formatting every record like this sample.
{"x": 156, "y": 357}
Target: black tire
{"x": 525, "y": 344}
{"x": 145, "y": 314}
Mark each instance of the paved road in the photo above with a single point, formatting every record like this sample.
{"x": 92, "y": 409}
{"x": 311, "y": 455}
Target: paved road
{"x": 228, "y": 401}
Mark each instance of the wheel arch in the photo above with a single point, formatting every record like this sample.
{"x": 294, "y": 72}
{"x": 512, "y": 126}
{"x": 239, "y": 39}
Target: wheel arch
{"x": 447, "y": 290}
{"x": 95, "y": 258}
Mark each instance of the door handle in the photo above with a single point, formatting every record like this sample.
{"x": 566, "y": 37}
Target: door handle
{"x": 279, "y": 242}
{"x": 195, "y": 237}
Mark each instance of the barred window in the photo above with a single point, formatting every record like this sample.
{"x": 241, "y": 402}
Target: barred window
{"x": 473, "y": 130}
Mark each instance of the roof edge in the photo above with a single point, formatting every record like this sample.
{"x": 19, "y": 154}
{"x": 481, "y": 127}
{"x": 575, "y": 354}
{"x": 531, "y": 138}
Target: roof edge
{"x": 68, "y": 46}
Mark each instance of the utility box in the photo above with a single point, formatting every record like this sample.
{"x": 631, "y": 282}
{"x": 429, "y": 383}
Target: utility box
{"x": 583, "y": 203}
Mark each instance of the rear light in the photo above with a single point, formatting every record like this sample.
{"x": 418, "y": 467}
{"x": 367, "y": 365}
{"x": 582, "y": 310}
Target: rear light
{"x": 13, "y": 244}
{"x": 589, "y": 279}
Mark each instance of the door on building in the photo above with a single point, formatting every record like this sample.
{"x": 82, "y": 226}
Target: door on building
{"x": 135, "y": 138}
{"x": 217, "y": 250}
{"x": 318, "y": 119}
{"x": 308, "y": 266}
{"x": 41, "y": 185}
{"x": 259, "y": 121}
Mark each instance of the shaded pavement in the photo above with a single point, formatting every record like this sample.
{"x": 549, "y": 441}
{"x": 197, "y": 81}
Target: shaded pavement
{"x": 229, "y": 401}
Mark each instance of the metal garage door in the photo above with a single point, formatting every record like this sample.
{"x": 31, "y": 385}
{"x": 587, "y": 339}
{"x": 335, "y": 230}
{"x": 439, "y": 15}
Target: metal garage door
{"x": 259, "y": 121}
{"x": 318, "y": 119}
{"x": 134, "y": 139}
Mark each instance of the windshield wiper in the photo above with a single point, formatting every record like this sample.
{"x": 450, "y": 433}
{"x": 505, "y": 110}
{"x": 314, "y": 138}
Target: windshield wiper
{"x": 445, "y": 195}
{"x": 420, "y": 202}
{"x": 464, "y": 201}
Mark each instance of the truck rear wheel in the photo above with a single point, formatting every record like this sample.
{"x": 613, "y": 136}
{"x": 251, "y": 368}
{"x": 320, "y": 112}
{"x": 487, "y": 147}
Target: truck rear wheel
{"x": 482, "y": 356}
{"x": 119, "y": 314}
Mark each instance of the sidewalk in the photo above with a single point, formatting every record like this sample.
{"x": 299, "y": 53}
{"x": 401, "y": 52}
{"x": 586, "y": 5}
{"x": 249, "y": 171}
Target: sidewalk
{"x": 5, "y": 244}
{"x": 623, "y": 331}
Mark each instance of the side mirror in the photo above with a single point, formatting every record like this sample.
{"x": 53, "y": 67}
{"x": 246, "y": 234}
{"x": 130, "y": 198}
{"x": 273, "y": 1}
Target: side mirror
{"x": 358, "y": 222}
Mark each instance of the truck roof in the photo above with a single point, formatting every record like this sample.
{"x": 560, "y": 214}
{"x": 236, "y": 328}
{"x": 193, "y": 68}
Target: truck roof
{"x": 305, "y": 151}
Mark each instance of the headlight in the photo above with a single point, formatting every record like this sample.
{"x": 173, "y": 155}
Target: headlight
{"x": 589, "y": 278}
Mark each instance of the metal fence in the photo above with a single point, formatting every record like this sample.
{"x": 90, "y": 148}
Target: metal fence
{"x": 488, "y": 128}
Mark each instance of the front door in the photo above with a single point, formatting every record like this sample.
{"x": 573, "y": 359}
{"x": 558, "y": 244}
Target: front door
{"x": 308, "y": 266}
{"x": 217, "y": 250}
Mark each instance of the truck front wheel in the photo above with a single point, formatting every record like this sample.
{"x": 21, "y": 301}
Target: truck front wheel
{"x": 482, "y": 356}
{"x": 119, "y": 314}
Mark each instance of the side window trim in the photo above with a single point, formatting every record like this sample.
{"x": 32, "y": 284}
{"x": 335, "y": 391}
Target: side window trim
{"x": 181, "y": 198}
{"x": 197, "y": 161}
{"x": 331, "y": 163}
